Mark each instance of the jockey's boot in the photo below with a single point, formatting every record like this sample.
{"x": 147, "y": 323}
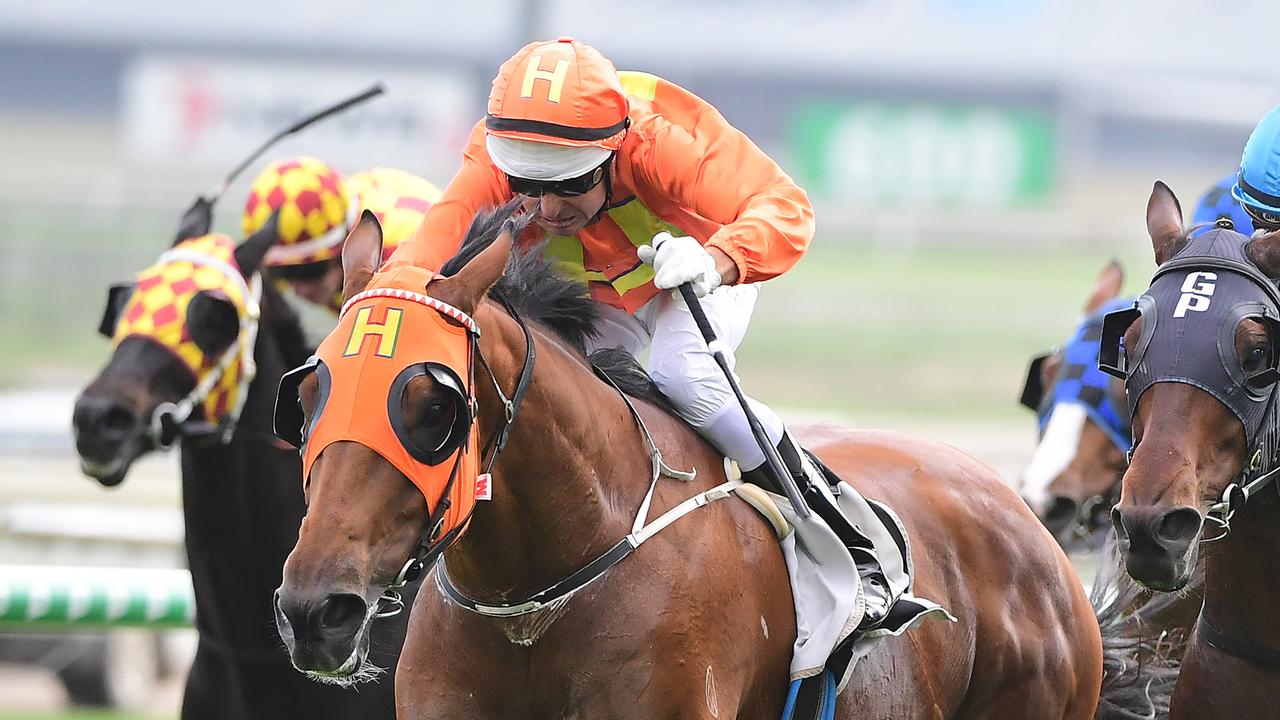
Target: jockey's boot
{"x": 819, "y": 488}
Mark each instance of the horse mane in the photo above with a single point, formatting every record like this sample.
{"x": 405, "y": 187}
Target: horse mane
{"x": 285, "y": 326}
{"x": 534, "y": 288}
{"x": 531, "y": 285}
{"x": 1142, "y": 643}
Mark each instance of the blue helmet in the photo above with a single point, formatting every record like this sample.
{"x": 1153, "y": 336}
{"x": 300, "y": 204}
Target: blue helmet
{"x": 1217, "y": 203}
{"x": 1257, "y": 187}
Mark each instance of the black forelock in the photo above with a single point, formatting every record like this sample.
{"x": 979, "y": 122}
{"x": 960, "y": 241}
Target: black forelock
{"x": 531, "y": 285}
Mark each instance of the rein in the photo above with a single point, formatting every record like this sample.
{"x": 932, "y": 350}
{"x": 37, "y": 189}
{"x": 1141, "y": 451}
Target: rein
{"x": 1246, "y": 650}
{"x": 1238, "y": 493}
{"x": 169, "y": 421}
{"x": 560, "y": 592}
{"x": 430, "y": 548}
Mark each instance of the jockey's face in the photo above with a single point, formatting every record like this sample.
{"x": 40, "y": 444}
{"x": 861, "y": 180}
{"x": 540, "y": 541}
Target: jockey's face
{"x": 321, "y": 288}
{"x": 566, "y": 214}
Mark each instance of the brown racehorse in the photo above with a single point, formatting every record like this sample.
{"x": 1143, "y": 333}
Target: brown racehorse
{"x": 1076, "y": 466}
{"x": 698, "y": 623}
{"x": 1191, "y": 447}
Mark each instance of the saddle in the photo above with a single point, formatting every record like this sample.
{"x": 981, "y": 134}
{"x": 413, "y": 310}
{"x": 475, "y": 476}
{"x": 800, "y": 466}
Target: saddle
{"x": 851, "y": 576}
{"x": 849, "y": 562}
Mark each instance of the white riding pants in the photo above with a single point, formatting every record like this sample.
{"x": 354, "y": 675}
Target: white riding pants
{"x": 687, "y": 373}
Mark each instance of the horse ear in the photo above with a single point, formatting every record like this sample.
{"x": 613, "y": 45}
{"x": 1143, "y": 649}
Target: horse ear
{"x": 1164, "y": 222}
{"x": 1264, "y": 251}
{"x": 468, "y": 288}
{"x": 1106, "y": 288}
{"x": 249, "y": 254}
{"x": 361, "y": 254}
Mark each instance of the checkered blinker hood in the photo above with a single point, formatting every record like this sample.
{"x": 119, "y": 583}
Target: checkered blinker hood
{"x": 155, "y": 307}
{"x": 1080, "y": 381}
{"x": 1189, "y": 319}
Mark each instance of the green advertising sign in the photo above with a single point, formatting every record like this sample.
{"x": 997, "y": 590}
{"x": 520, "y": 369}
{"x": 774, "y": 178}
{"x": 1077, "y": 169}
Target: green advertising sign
{"x": 913, "y": 154}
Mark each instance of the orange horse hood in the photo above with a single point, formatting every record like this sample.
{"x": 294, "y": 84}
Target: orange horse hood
{"x": 387, "y": 336}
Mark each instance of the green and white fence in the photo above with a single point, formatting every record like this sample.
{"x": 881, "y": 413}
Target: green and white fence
{"x": 51, "y": 597}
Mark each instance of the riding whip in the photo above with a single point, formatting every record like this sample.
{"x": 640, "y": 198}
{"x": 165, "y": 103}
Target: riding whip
{"x": 372, "y": 92}
{"x": 774, "y": 462}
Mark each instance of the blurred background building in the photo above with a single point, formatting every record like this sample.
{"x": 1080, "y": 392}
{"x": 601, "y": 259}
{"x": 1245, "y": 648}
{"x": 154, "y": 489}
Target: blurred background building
{"x": 973, "y": 162}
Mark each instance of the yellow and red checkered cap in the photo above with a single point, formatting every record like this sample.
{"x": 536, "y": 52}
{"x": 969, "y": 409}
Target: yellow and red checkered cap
{"x": 316, "y": 210}
{"x": 158, "y": 311}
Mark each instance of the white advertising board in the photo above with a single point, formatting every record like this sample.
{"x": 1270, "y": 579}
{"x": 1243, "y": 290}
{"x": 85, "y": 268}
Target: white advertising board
{"x": 193, "y": 110}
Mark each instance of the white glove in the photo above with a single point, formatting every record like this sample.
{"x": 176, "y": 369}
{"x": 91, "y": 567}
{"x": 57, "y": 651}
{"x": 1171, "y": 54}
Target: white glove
{"x": 679, "y": 260}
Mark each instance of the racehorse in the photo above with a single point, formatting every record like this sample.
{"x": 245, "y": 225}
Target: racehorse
{"x": 535, "y": 615}
{"x": 1074, "y": 473}
{"x": 241, "y": 501}
{"x": 1199, "y": 355}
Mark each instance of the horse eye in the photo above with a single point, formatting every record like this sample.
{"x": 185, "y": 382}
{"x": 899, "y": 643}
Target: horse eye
{"x": 1257, "y": 358}
{"x": 434, "y": 412}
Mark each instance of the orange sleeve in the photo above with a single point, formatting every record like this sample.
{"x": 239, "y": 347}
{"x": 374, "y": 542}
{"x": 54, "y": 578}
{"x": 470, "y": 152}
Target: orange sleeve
{"x": 477, "y": 185}
{"x": 767, "y": 220}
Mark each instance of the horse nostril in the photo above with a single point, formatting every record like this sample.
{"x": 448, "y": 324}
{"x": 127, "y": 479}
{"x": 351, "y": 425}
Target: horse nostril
{"x": 103, "y": 416}
{"x": 338, "y": 611}
{"x": 117, "y": 420}
{"x": 103, "y": 419}
{"x": 1179, "y": 525}
{"x": 1061, "y": 510}
{"x": 1117, "y": 520}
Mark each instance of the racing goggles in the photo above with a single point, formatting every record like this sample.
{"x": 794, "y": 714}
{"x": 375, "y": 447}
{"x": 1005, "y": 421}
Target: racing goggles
{"x": 569, "y": 187}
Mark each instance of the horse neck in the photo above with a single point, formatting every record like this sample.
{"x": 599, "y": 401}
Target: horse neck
{"x": 566, "y": 487}
{"x": 1242, "y": 574}
{"x": 243, "y": 500}
{"x": 279, "y": 347}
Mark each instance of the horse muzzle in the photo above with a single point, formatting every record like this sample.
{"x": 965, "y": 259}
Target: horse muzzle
{"x": 1158, "y": 544}
{"x": 327, "y": 635}
{"x": 1060, "y": 518}
{"x": 108, "y": 434}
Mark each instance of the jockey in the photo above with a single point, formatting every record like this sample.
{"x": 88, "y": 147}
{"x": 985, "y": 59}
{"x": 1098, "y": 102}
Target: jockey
{"x": 1217, "y": 203}
{"x": 1257, "y": 186}
{"x": 638, "y": 186}
{"x": 318, "y": 207}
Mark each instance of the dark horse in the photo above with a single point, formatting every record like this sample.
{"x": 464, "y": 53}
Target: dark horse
{"x": 1199, "y": 353}
{"x": 697, "y": 623}
{"x": 241, "y": 500}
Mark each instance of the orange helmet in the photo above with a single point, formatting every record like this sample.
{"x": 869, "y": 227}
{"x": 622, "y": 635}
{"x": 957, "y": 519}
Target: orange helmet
{"x": 316, "y": 209}
{"x": 557, "y": 110}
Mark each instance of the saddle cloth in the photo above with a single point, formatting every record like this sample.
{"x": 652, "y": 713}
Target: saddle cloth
{"x": 830, "y": 599}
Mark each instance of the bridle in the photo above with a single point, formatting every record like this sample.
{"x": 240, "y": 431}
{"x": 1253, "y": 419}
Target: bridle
{"x": 173, "y": 420}
{"x": 430, "y": 545}
{"x": 1252, "y": 398}
{"x": 430, "y": 548}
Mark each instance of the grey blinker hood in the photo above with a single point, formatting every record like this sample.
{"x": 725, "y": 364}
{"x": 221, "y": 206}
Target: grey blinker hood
{"x": 1190, "y": 314}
